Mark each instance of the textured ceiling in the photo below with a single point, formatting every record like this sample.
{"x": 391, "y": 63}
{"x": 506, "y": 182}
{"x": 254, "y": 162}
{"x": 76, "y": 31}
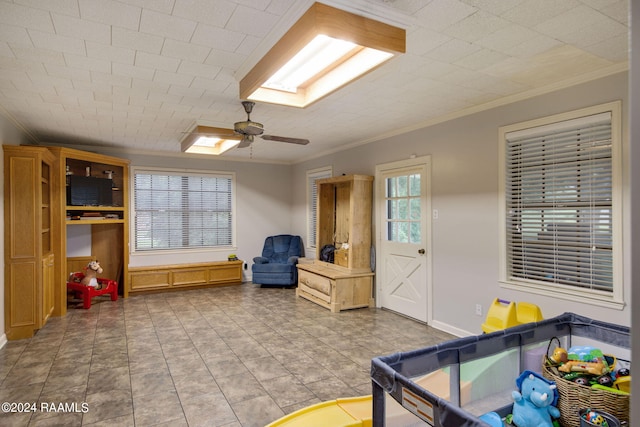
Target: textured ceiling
{"x": 139, "y": 73}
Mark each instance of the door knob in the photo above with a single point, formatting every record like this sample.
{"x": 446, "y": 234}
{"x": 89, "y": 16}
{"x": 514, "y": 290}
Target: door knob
{"x": 421, "y": 251}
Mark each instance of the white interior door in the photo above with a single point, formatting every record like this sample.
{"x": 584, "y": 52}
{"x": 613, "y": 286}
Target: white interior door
{"x": 403, "y": 275}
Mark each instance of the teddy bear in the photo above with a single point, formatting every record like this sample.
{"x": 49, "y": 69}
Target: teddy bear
{"x": 91, "y": 272}
{"x": 534, "y": 404}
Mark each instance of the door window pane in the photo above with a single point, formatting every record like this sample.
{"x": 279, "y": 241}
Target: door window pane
{"x": 404, "y": 215}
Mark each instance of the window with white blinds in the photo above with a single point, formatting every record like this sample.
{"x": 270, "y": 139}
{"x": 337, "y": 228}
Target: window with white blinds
{"x": 559, "y": 204}
{"x": 312, "y": 201}
{"x": 177, "y": 210}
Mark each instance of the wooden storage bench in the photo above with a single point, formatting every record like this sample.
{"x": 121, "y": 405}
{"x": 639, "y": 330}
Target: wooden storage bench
{"x": 181, "y": 276}
{"x": 334, "y": 288}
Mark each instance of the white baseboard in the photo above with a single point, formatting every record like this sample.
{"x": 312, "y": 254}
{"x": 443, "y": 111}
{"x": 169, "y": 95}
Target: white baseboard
{"x": 445, "y": 327}
{"x": 3, "y": 340}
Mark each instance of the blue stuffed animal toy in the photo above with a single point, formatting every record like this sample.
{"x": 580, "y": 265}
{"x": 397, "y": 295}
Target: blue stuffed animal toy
{"x": 534, "y": 404}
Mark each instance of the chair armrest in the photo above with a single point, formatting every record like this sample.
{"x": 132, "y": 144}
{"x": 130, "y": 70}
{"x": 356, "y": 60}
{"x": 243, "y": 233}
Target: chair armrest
{"x": 260, "y": 260}
{"x": 293, "y": 260}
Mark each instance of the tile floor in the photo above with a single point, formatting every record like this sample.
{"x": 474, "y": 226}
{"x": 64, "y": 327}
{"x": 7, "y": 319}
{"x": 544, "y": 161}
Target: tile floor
{"x": 229, "y": 356}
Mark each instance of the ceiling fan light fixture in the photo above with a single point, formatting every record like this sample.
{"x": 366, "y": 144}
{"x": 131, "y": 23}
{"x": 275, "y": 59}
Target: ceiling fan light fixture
{"x": 249, "y": 129}
{"x": 210, "y": 140}
{"x": 324, "y": 50}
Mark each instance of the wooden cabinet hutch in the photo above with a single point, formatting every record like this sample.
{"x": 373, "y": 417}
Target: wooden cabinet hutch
{"x": 343, "y": 220}
{"x": 38, "y": 218}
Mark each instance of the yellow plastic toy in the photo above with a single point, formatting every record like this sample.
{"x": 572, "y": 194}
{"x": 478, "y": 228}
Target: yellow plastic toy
{"x": 623, "y": 384}
{"x": 528, "y": 313}
{"x": 501, "y": 315}
{"x": 349, "y": 412}
{"x": 505, "y": 314}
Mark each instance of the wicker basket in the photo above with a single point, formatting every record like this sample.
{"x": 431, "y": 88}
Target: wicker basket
{"x": 573, "y": 397}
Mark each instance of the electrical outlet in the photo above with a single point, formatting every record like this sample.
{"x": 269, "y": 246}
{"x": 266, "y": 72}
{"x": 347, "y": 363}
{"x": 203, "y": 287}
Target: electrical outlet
{"x": 478, "y": 310}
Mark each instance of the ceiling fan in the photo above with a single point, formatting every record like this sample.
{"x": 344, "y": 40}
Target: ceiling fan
{"x": 249, "y": 129}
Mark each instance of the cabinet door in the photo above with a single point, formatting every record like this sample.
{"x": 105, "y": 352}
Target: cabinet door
{"x": 48, "y": 290}
{"x": 21, "y": 299}
{"x": 22, "y": 265}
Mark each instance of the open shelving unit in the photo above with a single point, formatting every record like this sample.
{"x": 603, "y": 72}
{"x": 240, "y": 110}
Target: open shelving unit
{"x": 109, "y": 237}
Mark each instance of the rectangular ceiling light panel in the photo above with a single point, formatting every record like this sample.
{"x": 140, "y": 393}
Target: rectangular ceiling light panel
{"x": 210, "y": 140}
{"x": 324, "y": 50}
{"x": 316, "y": 57}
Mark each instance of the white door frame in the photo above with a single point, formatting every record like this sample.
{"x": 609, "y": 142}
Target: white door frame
{"x": 380, "y": 211}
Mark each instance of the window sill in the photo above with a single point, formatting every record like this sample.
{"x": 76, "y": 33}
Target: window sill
{"x": 157, "y": 252}
{"x": 583, "y": 296}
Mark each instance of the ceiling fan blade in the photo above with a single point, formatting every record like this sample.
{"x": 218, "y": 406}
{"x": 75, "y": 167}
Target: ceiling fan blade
{"x": 246, "y": 141}
{"x": 298, "y": 141}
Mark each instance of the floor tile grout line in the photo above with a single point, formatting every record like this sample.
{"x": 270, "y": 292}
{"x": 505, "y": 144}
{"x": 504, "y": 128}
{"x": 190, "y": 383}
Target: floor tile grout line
{"x": 173, "y": 380}
{"x": 340, "y": 343}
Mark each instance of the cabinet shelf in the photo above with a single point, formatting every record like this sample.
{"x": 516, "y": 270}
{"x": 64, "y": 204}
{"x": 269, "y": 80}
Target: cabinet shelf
{"x": 94, "y": 215}
{"x": 94, "y": 208}
{"x": 94, "y": 221}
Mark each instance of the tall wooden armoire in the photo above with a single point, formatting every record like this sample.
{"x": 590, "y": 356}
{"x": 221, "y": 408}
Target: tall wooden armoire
{"x": 29, "y": 257}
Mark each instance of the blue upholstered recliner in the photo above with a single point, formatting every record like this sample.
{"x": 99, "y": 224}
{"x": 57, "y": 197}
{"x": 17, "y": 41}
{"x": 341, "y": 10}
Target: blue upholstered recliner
{"x": 277, "y": 265}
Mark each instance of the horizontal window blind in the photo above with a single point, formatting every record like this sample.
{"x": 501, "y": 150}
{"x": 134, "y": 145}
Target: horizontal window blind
{"x": 182, "y": 211}
{"x": 558, "y": 193}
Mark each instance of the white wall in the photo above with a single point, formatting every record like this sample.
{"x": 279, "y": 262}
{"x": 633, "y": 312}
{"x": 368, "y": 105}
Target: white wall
{"x": 464, "y": 186}
{"x": 635, "y": 187}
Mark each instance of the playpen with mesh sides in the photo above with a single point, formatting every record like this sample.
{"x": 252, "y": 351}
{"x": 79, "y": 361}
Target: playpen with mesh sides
{"x": 399, "y": 400}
